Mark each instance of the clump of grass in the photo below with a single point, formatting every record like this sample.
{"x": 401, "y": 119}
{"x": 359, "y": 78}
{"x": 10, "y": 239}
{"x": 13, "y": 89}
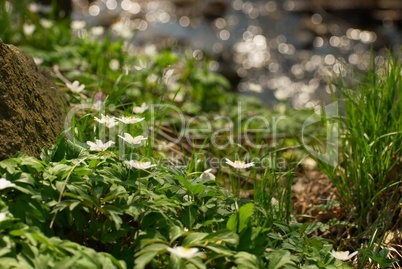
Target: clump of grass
{"x": 369, "y": 175}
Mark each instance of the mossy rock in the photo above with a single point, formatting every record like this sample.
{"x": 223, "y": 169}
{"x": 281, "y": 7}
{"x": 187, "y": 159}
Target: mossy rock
{"x": 32, "y": 108}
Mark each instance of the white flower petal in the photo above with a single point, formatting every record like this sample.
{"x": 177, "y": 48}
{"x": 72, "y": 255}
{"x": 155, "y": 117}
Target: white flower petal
{"x": 77, "y": 25}
{"x": 46, "y": 23}
{"x": 183, "y": 252}
{"x": 140, "y": 109}
{"x": 130, "y": 120}
{"x": 75, "y": 86}
{"x": 133, "y": 140}
{"x": 99, "y": 145}
{"x": 140, "y": 165}
{"x": 97, "y": 30}
{"x": 274, "y": 201}
{"x": 4, "y": 183}
{"x": 3, "y": 216}
{"x": 109, "y": 122}
{"x": 28, "y": 29}
{"x": 207, "y": 175}
{"x": 239, "y": 164}
{"x": 343, "y": 255}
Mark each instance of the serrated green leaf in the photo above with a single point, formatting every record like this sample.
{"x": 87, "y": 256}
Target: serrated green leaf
{"x": 223, "y": 236}
{"x": 279, "y": 259}
{"x": 60, "y": 170}
{"x": 245, "y": 260}
{"x": 219, "y": 249}
{"x": 144, "y": 259}
{"x": 154, "y": 248}
{"x": 174, "y": 233}
{"x": 197, "y": 262}
{"x": 194, "y": 239}
{"x": 115, "y": 192}
{"x": 10, "y": 165}
{"x": 33, "y": 162}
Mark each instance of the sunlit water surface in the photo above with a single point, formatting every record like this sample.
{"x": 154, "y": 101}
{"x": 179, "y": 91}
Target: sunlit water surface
{"x": 267, "y": 48}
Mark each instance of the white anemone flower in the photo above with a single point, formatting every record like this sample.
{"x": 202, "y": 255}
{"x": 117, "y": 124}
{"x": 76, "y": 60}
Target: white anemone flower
{"x": 239, "y": 164}
{"x": 122, "y": 29}
{"x": 75, "y": 87}
{"x": 78, "y": 25}
{"x": 38, "y": 61}
{"x": 3, "y": 216}
{"x": 343, "y": 255}
{"x": 35, "y": 8}
{"x": 97, "y": 30}
{"x": 108, "y": 121}
{"x": 207, "y": 175}
{"x": 274, "y": 201}
{"x": 98, "y": 105}
{"x": 4, "y": 183}
{"x": 133, "y": 140}
{"x": 183, "y": 252}
{"x": 140, "y": 165}
{"x": 28, "y": 29}
{"x": 46, "y": 23}
{"x": 130, "y": 120}
{"x": 140, "y": 109}
{"x": 99, "y": 145}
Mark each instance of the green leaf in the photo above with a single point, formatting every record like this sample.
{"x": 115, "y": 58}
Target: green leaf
{"x": 65, "y": 148}
{"x": 7, "y": 263}
{"x": 192, "y": 188}
{"x": 219, "y": 249}
{"x": 194, "y": 239}
{"x": 152, "y": 248}
{"x": 25, "y": 178}
{"x": 153, "y": 238}
{"x": 223, "y": 236}
{"x": 67, "y": 262}
{"x": 7, "y": 245}
{"x": 9, "y": 165}
{"x": 174, "y": 233}
{"x": 144, "y": 259}
{"x": 114, "y": 213}
{"x": 73, "y": 205}
{"x": 60, "y": 170}
{"x": 239, "y": 220}
{"x": 147, "y": 254}
{"x": 177, "y": 262}
{"x": 197, "y": 262}
{"x": 33, "y": 163}
{"x": 233, "y": 222}
{"x": 115, "y": 192}
{"x": 245, "y": 212}
{"x": 281, "y": 259}
{"x": 245, "y": 260}
{"x": 188, "y": 216}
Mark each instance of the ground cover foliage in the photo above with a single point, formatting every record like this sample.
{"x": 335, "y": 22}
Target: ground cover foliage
{"x": 171, "y": 195}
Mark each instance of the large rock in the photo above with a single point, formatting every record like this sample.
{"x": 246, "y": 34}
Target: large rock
{"x": 31, "y": 106}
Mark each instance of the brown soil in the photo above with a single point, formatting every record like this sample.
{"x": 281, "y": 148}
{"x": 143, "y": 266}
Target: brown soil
{"x": 315, "y": 199}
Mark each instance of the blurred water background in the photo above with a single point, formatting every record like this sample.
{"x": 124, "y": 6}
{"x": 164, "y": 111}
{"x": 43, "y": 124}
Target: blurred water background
{"x": 275, "y": 50}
